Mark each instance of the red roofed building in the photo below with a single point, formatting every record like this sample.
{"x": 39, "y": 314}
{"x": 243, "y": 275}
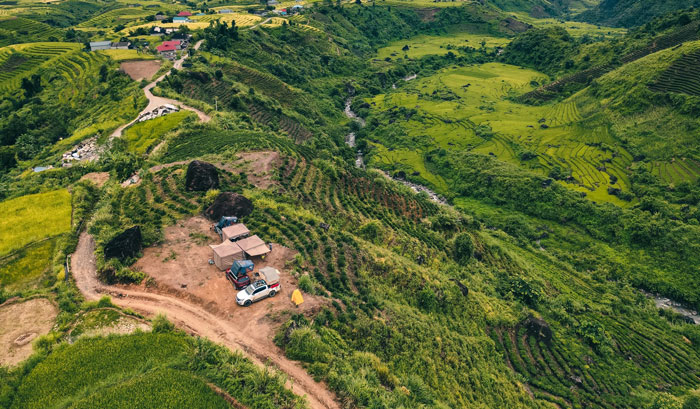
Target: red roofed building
{"x": 184, "y": 14}
{"x": 175, "y": 43}
{"x": 167, "y": 50}
{"x": 165, "y": 47}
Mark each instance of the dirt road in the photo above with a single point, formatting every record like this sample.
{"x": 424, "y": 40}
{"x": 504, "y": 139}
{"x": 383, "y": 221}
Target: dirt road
{"x": 196, "y": 320}
{"x": 154, "y": 101}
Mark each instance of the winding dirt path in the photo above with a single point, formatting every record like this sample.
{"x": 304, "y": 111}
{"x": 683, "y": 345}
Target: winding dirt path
{"x": 195, "y": 320}
{"x": 155, "y": 101}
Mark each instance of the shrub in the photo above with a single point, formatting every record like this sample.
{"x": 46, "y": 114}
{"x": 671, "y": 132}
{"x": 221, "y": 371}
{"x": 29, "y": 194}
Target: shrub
{"x": 161, "y": 325}
{"x": 306, "y": 284}
{"x": 463, "y": 248}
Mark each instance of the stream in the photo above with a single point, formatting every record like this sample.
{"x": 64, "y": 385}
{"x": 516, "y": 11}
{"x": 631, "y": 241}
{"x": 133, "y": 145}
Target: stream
{"x": 360, "y": 162}
{"x": 350, "y": 138}
{"x": 667, "y": 303}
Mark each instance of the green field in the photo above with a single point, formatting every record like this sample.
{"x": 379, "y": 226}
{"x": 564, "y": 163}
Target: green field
{"x": 33, "y": 217}
{"x": 118, "y": 372}
{"x": 126, "y": 55}
{"x": 575, "y": 28}
{"x": 24, "y": 268}
{"x": 423, "y": 45}
{"x": 468, "y": 109}
{"x": 143, "y": 135}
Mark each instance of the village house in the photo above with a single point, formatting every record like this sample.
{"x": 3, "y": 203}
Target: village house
{"x": 181, "y": 20}
{"x": 160, "y": 17}
{"x": 167, "y": 50}
{"x": 184, "y": 14}
{"x": 225, "y": 11}
{"x": 100, "y": 45}
{"x": 175, "y": 43}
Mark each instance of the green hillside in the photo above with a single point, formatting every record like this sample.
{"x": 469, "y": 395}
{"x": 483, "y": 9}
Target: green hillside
{"x": 631, "y": 13}
{"x": 483, "y": 204}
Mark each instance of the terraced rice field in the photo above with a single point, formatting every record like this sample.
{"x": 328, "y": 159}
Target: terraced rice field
{"x": 27, "y": 30}
{"x": 683, "y": 76}
{"x": 241, "y": 19}
{"x": 21, "y": 60}
{"x": 115, "y": 17}
{"x": 467, "y": 109}
{"x": 676, "y": 171}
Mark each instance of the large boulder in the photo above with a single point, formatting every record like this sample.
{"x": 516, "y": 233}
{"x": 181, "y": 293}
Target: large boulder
{"x": 201, "y": 176}
{"x": 125, "y": 244}
{"x": 229, "y": 204}
{"x": 538, "y": 328}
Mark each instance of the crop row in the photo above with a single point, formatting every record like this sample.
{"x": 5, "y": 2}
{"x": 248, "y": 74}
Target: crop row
{"x": 266, "y": 117}
{"x": 683, "y": 76}
{"x": 677, "y": 171}
{"x": 563, "y": 113}
{"x": 265, "y": 83}
{"x": 28, "y": 30}
{"x": 114, "y": 17}
{"x": 192, "y": 144}
{"x": 352, "y": 199}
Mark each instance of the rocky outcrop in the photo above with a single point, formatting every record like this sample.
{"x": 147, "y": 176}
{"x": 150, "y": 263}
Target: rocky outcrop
{"x": 229, "y": 204}
{"x": 125, "y": 244}
{"x": 201, "y": 176}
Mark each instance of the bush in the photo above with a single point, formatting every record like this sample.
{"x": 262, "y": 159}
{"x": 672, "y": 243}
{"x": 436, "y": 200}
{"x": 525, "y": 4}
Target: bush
{"x": 306, "y": 284}
{"x": 161, "y": 325}
{"x": 463, "y": 248}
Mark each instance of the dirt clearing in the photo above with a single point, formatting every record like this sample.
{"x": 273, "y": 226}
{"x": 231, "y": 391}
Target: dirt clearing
{"x": 258, "y": 166}
{"x": 181, "y": 266}
{"x": 98, "y": 178}
{"x": 249, "y": 330}
{"x": 20, "y": 324}
{"x": 139, "y": 70}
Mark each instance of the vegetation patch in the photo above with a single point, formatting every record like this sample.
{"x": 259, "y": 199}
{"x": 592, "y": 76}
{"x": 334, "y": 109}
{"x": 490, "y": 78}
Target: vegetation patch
{"x": 33, "y": 217}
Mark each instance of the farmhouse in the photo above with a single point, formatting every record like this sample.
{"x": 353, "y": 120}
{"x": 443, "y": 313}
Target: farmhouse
{"x": 160, "y": 17}
{"x": 166, "y": 50}
{"x": 100, "y": 45}
{"x": 181, "y": 20}
{"x": 225, "y": 11}
{"x": 184, "y": 14}
{"x": 175, "y": 43}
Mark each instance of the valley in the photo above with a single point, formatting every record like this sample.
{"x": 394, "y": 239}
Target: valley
{"x": 318, "y": 204}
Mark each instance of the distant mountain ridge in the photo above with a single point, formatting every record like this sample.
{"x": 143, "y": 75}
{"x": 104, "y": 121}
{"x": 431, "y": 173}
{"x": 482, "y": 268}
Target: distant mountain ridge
{"x": 631, "y": 13}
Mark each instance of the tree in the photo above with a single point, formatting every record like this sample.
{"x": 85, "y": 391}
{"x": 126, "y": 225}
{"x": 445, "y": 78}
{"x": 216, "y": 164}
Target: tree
{"x": 463, "y": 248}
{"x": 220, "y": 36}
{"x": 103, "y": 73}
{"x": 31, "y": 86}
{"x": 405, "y": 48}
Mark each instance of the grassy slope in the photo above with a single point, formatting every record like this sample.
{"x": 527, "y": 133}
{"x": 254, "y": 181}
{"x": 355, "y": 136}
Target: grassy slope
{"x": 33, "y": 217}
{"x": 453, "y": 103}
{"x": 652, "y": 124}
{"x": 144, "y": 370}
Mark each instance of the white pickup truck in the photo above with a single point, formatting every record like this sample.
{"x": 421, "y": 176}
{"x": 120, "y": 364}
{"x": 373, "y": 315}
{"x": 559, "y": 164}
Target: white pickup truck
{"x": 268, "y": 286}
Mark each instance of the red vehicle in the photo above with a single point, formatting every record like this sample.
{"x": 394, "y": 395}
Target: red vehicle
{"x": 238, "y": 273}
{"x": 239, "y": 280}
